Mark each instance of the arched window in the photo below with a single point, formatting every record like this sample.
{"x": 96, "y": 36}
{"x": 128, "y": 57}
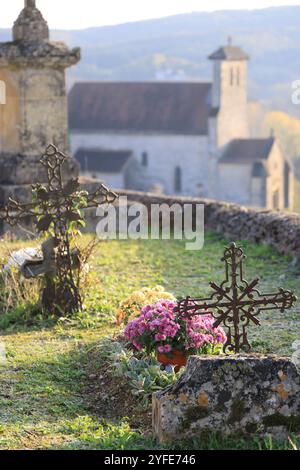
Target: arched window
{"x": 2, "y": 92}
{"x": 238, "y": 76}
{"x": 231, "y": 76}
{"x": 178, "y": 180}
{"x": 145, "y": 159}
{"x": 276, "y": 200}
{"x": 287, "y": 182}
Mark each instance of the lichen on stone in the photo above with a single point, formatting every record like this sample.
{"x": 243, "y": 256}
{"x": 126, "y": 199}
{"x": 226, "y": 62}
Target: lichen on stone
{"x": 192, "y": 414}
{"x": 215, "y": 404}
{"x": 291, "y": 422}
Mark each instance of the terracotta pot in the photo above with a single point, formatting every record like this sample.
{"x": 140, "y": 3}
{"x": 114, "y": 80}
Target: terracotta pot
{"x": 176, "y": 358}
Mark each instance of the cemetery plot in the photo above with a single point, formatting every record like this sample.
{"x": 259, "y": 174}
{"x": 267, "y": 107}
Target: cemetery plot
{"x": 61, "y": 386}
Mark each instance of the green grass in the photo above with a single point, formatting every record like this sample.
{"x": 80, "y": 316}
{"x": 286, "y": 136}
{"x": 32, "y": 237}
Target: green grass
{"x": 43, "y": 404}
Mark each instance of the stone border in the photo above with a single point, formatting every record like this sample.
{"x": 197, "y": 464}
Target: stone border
{"x": 280, "y": 230}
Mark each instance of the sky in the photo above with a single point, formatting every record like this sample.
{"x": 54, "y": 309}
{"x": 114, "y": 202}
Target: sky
{"x": 70, "y": 14}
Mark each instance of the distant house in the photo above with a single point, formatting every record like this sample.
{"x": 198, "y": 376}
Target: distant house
{"x": 188, "y": 138}
{"x": 112, "y": 167}
{"x": 261, "y": 176}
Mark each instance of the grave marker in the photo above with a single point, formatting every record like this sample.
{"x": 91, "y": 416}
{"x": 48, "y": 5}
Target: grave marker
{"x": 56, "y": 207}
{"x": 236, "y": 303}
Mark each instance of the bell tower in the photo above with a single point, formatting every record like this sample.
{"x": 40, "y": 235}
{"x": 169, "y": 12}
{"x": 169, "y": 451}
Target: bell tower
{"x": 35, "y": 114}
{"x": 229, "y": 93}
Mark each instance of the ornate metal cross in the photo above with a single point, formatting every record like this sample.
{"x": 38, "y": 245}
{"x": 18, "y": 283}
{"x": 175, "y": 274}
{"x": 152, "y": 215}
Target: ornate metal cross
{"x": 236, "y": 303}
{"x": 55, "y": 207}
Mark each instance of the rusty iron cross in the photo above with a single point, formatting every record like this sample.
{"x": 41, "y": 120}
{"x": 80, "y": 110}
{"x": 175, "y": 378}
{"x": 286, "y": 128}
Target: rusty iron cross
{"x": 55, "y": 206}
{"x": 53, "y": 202}
{"x": 235, "y": 303}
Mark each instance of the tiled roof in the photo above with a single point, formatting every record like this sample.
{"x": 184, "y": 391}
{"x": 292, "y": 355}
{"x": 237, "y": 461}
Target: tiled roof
{"x": 229, "y": 53}
{"x": 247, "y": 150}
{"x": 165, "y": 107}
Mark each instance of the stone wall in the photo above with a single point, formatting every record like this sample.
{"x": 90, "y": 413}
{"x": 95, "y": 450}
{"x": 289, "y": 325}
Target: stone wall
{"x": 280, "y": 230}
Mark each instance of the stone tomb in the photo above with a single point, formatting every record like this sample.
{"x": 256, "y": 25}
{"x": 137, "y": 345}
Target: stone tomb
{"x": 237, "y": 394}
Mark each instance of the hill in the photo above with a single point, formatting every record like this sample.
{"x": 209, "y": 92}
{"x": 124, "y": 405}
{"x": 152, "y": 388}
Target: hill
{"x": 177, "y": 46}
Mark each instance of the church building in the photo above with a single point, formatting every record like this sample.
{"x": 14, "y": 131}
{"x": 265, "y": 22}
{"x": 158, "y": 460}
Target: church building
{"x": 180, "y": 138}
{"x": 177, "y": 138}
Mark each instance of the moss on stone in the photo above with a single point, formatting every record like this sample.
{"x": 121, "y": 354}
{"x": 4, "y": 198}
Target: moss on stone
{"x": 237, "y": 411}
{"x": 220, "y": 408}
{"x": 277, "y": 419}
{"x": 192, "y": 414}
{"x": 251, "y": 428}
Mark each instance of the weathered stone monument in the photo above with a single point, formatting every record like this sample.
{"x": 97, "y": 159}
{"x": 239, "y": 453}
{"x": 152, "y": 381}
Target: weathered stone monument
{"x": 235, "y": 393}
{"x": 32, "y": 69}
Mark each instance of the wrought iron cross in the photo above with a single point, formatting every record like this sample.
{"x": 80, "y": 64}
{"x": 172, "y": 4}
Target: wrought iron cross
{"x": 235, "y": 303}
{"x": 53, "y": 207}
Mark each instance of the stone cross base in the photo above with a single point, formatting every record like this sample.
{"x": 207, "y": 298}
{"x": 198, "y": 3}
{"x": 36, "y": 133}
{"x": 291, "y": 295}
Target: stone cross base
{"x": 240, "y": 394}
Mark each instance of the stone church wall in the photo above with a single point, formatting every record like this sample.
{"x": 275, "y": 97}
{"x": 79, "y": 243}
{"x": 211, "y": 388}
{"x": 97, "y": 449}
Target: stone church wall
{"x": 235, "y": 183}
{"x": 111, "y": 180}
{"x": 275, "y": 181}
{"x": 164, "y": 154}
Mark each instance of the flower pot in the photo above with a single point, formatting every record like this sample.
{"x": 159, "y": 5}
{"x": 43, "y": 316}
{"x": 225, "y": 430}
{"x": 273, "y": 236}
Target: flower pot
{"x": 176, "y": 358}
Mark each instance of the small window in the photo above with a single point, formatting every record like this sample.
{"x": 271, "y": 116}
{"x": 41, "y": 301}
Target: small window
{"x": 145, "y": 159}
{"x": 287, "y": 181}
{"x": 238, "y": 77}
{"x": 178, "y": 180}
{"x": 231, "y": 77}
{"x": 276, "y": 200}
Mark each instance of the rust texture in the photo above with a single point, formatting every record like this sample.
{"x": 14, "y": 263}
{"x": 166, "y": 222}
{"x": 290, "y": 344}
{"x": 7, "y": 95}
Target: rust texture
{"x": 236, "y": 303}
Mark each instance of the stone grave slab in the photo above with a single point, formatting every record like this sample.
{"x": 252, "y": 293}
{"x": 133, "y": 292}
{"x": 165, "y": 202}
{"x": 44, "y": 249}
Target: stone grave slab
{"x": 237, "y": 394}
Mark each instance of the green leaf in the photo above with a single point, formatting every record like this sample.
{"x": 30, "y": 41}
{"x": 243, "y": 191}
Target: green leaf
{"x": 42, "y": 193}
{"x": 44, "y": 223}
{"x": 73, "y": 216}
